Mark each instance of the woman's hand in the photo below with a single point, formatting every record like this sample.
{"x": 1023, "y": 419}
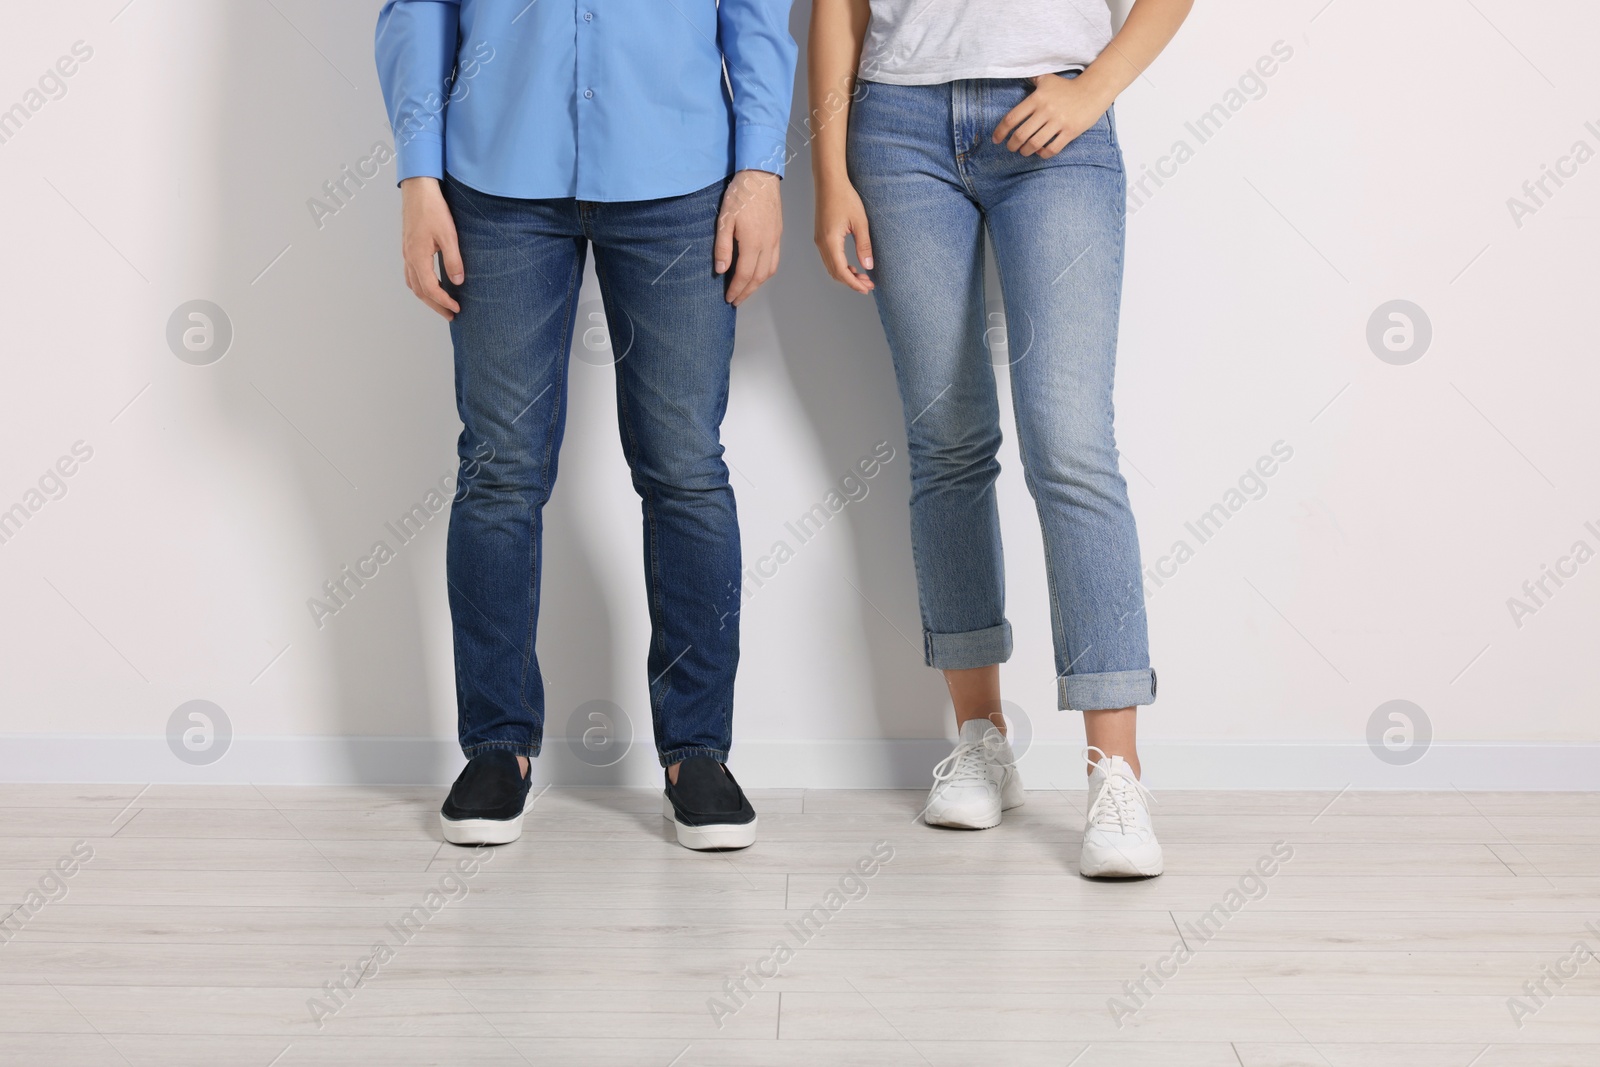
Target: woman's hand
{"x": 1053, "y": 115}
{"x": 427, "y": 227}
{"x": 839, "y": 214}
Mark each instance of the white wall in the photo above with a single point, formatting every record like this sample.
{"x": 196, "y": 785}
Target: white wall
{"x": 1420, "y": 497}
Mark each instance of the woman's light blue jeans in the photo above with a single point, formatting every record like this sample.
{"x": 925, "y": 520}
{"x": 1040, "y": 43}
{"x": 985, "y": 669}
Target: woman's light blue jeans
{"x": 932, "y": 180}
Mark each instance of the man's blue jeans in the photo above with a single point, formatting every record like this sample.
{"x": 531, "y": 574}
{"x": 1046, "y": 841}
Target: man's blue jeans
{"x": 932, "y": 181}
{"x": 672, "y": 338}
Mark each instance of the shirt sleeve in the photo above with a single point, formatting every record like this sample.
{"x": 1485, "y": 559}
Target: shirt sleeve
{"x": 416, "y": 51}
{"x": 760, "y": 57}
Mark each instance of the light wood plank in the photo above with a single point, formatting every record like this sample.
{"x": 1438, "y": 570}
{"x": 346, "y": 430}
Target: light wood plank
{"x": 209, "y": 915}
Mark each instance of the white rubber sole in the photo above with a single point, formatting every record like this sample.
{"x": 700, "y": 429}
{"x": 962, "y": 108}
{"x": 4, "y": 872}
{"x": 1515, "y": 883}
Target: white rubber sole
{"x": 969, "y": 817}
{"x": 715, "y": 836}
{"x": 1143, "y": 861}
{"x": 975, "y": 816}
{"x": 482, "y": 831}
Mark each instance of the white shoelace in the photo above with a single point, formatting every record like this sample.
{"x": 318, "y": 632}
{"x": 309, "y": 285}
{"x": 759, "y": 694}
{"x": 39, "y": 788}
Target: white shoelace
{"x": 1119, "y": 800}
{"x": 970, "y": 758}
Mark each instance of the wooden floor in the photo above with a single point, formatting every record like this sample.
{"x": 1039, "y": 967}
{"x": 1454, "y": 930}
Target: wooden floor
{"x": 208, "y": 918}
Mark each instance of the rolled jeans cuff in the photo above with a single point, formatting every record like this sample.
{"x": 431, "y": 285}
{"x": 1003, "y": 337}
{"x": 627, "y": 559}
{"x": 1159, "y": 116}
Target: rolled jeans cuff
{"x": 529, "y": 749}
{"x": 678, "y": 755}
{"x": 1108, "y": 691}
{"x": 963, "y": 651}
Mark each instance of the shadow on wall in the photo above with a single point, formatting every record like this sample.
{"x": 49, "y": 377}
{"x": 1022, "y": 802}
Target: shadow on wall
{"x": 332, "y": 387}
{"x": 339, "y": 388}
{"x": 340, "y": 384}
{"x": 842, "y": 373}
{"x": 844, "y": 377}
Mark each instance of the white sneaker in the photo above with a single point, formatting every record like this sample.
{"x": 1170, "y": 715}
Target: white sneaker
{"x": 1119, "y": 840}
{"x": 976, "y": 782}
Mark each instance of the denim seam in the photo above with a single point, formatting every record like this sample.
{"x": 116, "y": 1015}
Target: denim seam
{"x": 722, "y": 408}
{"x": 1064, "y": 663}
{"x": 1119, "y": 201}
{"x": 652, "y": 546}
{"x": 463, "y": 708}
{"x": 574, "y": 278}
{"x": 958, "y": 134}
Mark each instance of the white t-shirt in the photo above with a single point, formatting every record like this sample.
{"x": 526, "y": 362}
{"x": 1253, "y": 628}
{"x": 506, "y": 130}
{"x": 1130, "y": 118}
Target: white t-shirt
{"x": 927, "y": 42}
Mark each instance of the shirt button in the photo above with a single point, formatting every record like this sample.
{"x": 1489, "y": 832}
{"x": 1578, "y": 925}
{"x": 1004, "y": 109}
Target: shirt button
{"x": 588, "y": 94}
{"x": 588, "y": 16}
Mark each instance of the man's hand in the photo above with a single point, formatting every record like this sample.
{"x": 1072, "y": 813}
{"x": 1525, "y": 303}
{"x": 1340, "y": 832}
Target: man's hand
{"x": 1053, "y": 115}
{"x": 426, "y": 228}
{"x": 751, "y": 220}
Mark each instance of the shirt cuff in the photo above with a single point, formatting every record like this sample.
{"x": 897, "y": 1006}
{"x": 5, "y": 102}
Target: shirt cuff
{"x": 759, "y": 148}
{"x": 419, "y": 155}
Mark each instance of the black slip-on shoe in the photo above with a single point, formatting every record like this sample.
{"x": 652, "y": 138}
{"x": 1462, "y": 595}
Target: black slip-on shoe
{"x": 485, "y": 804}
{"x": 708, "y": 808}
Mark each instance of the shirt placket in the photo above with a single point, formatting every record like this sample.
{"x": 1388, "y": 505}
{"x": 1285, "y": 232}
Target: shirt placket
{"x": 585, "y": 76}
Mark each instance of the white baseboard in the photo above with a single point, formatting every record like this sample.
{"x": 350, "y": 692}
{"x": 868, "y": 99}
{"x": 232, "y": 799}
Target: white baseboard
{"x": 858, "y": 764}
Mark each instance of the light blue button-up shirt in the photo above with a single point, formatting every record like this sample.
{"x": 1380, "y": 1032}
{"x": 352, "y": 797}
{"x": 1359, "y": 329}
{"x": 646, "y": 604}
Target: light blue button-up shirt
{"x": 595, "y": 99}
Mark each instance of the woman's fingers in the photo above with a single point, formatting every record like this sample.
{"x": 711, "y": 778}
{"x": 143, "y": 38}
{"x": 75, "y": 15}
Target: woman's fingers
{"x": 1053, "y": 148}
{"x": 1045, "y": 135}
{"x": 1014, "y": 118}
{"x": 838, "y": 262}
{"x": 1027, "y": 134}
{"x": 833, "y": 257}
{"x": 863, "y": 241}
{"x": 830, "y": 244}
{"x": 840, "y": 217}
